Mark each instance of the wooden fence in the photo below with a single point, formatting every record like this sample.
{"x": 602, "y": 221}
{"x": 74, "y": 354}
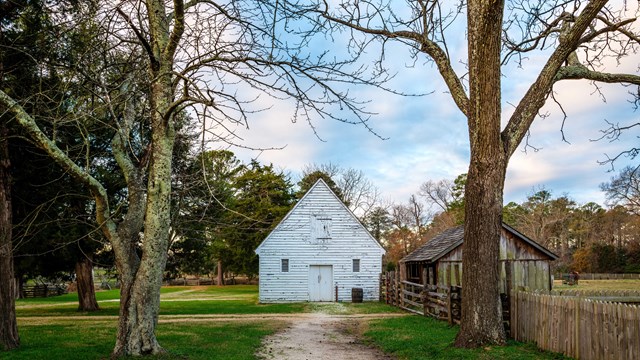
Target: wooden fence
{"x": 589, "y": 276}
{"x": 583, "y": 327}
{"x": 436, "y": 301}
{"x": 43, "y": 290}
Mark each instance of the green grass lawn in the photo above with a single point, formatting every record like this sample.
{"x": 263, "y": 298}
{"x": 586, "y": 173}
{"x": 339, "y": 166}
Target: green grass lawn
{"x": 418, "y": 337}
{"x": 237, "y": 299}
{"x": 626, "y": 284}
{"x": 410, "y": 337}
{"x": 68, "y": 340}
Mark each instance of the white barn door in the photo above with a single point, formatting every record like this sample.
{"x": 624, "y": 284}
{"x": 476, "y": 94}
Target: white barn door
{"x": 320, "y": 282}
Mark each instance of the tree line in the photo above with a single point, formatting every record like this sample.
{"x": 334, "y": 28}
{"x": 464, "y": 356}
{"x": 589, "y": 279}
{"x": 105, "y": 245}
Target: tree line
{"x": 588, "y": 237}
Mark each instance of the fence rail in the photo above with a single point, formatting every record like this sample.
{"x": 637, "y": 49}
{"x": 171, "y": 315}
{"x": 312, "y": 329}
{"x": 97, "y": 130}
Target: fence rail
{"x": 597, "y": 293}
{"x": 37, "y": 291}
{"x": 578, "y": 326}
{"x": 583, "y": 324}
{"x": 598, "y": 276}
{"x": 436, "y": 301}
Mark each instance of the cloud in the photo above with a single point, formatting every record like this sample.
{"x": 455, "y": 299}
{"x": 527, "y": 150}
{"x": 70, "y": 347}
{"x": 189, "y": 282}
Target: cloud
{"x": 428, "y": 136}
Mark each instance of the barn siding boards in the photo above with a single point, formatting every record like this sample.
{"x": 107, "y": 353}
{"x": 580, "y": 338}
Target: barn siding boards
{"x": 529, "y": 262}
{"x": 319, "y": 230}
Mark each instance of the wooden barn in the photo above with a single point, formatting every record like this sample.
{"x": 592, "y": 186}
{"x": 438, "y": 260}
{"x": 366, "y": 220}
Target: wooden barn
{"x": 319, "y": 252}
{"x": 523, "y": 262}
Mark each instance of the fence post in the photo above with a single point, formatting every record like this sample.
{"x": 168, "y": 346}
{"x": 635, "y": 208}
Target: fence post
{"x": 388, "y": 288}
{"x": 576, "y": 326}
{"x": 423, "y": 295}
{"x": 401, "y": 292}
{"x": 449, "y": 312}
{"x": 396, "y": 276}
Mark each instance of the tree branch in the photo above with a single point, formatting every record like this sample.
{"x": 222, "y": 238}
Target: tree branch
{"x": 534, "y": 99}
{"x": 98, "y": 191}
{"x": 576, "y": 72}
{"x": 178, "y": 28}
{"x": 427, "y": 46}
{"x": 143, "y": 41}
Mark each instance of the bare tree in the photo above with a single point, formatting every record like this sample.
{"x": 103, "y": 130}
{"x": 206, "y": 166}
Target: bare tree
{"x": 409, "y": 221}
{"x": 438, "y": 193}
{"x": 213, "y": 59}
{"x": 575, "y": 37}
{"x": 419, "y": 217}
{"x": 400, "y": 219}
{"x": 624, "y": 189}
{"x": 358, "y": 192}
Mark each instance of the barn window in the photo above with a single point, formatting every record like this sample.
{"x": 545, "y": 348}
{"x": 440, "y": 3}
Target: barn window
{"x": 320, "y": 228}
{"x": 356, "y": 265}
{"x": 284, "y": 265}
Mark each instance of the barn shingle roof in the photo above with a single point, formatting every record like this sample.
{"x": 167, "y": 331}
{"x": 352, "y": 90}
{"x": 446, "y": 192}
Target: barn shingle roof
{"x": 451, "y": 238}
{"x": 438, "y": 246}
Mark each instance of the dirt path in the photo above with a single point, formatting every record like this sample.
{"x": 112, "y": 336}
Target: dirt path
{"x": 319, "y": 336}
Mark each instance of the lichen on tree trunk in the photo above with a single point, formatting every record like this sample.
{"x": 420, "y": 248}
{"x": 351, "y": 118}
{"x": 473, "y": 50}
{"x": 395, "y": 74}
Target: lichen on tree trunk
{"x": 140, "y": 293}
{"x": 138, "y": 319}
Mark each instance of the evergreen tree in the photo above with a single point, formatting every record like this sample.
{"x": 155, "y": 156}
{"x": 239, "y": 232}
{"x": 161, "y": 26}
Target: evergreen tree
{"x": 263, "y": 197}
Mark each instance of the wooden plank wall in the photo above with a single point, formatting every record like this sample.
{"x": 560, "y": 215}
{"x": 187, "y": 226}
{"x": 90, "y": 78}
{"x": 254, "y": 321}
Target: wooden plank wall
{"x": 576, "y": 326}
{"x": 319, "y": 230}
{"x": 530, "y": 274}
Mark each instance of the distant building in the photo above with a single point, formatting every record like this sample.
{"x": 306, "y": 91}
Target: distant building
{"x": 319, "y": 248}
{"x": 523, "y": 262}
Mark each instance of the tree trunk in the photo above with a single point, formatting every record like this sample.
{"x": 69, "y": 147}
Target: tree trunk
{"x": 9, "y": 338}
{"x": 139, "y": 305}
{"x": 86, "y": 288}
{"x": 140, "y": 299}
{"x": 220, "y": 279}
{"x": 19, "y": 284}
{"x": 481, "y": 321}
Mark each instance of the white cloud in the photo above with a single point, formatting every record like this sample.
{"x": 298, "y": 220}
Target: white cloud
{"x": 428, "y": 136}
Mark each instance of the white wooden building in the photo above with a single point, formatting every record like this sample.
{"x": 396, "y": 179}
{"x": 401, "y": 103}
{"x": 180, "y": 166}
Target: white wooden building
{"x": 318, "y": 249}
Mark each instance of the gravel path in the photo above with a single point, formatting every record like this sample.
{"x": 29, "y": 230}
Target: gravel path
{"x": 319, "y": 336}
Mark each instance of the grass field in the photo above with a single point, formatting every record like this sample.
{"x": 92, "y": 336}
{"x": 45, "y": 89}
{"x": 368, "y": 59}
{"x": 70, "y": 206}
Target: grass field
{"x": 418, "y": 337}
{"x": 78, "y": 336}
{"x": 71, "y": 340}
{"x": 599, "y": 285}
{"x": 238, "y": 299}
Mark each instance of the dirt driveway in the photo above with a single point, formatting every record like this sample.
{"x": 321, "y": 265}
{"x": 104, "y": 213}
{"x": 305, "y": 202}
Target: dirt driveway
{"x": 318, "y": 336}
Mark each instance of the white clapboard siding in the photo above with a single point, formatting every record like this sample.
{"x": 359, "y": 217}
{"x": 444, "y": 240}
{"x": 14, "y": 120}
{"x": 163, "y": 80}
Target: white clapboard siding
{"x": 319, "y": 230}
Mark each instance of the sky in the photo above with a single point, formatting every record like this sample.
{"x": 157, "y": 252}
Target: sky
{"x": 426, "y": 137}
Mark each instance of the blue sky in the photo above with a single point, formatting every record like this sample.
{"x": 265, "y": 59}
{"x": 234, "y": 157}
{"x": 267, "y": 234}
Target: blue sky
{"x": 428, "y": 138}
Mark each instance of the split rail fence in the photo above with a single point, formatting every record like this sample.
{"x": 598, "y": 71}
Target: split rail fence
{"x": 42, "y": 290}
{"x": 437, "y": 301}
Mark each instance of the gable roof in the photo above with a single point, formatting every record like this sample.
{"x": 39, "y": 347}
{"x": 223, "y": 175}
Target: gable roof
{"x": 443, "y": 243}
{"x": 438, "y": 246}
{"x": 320, "y": 184}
